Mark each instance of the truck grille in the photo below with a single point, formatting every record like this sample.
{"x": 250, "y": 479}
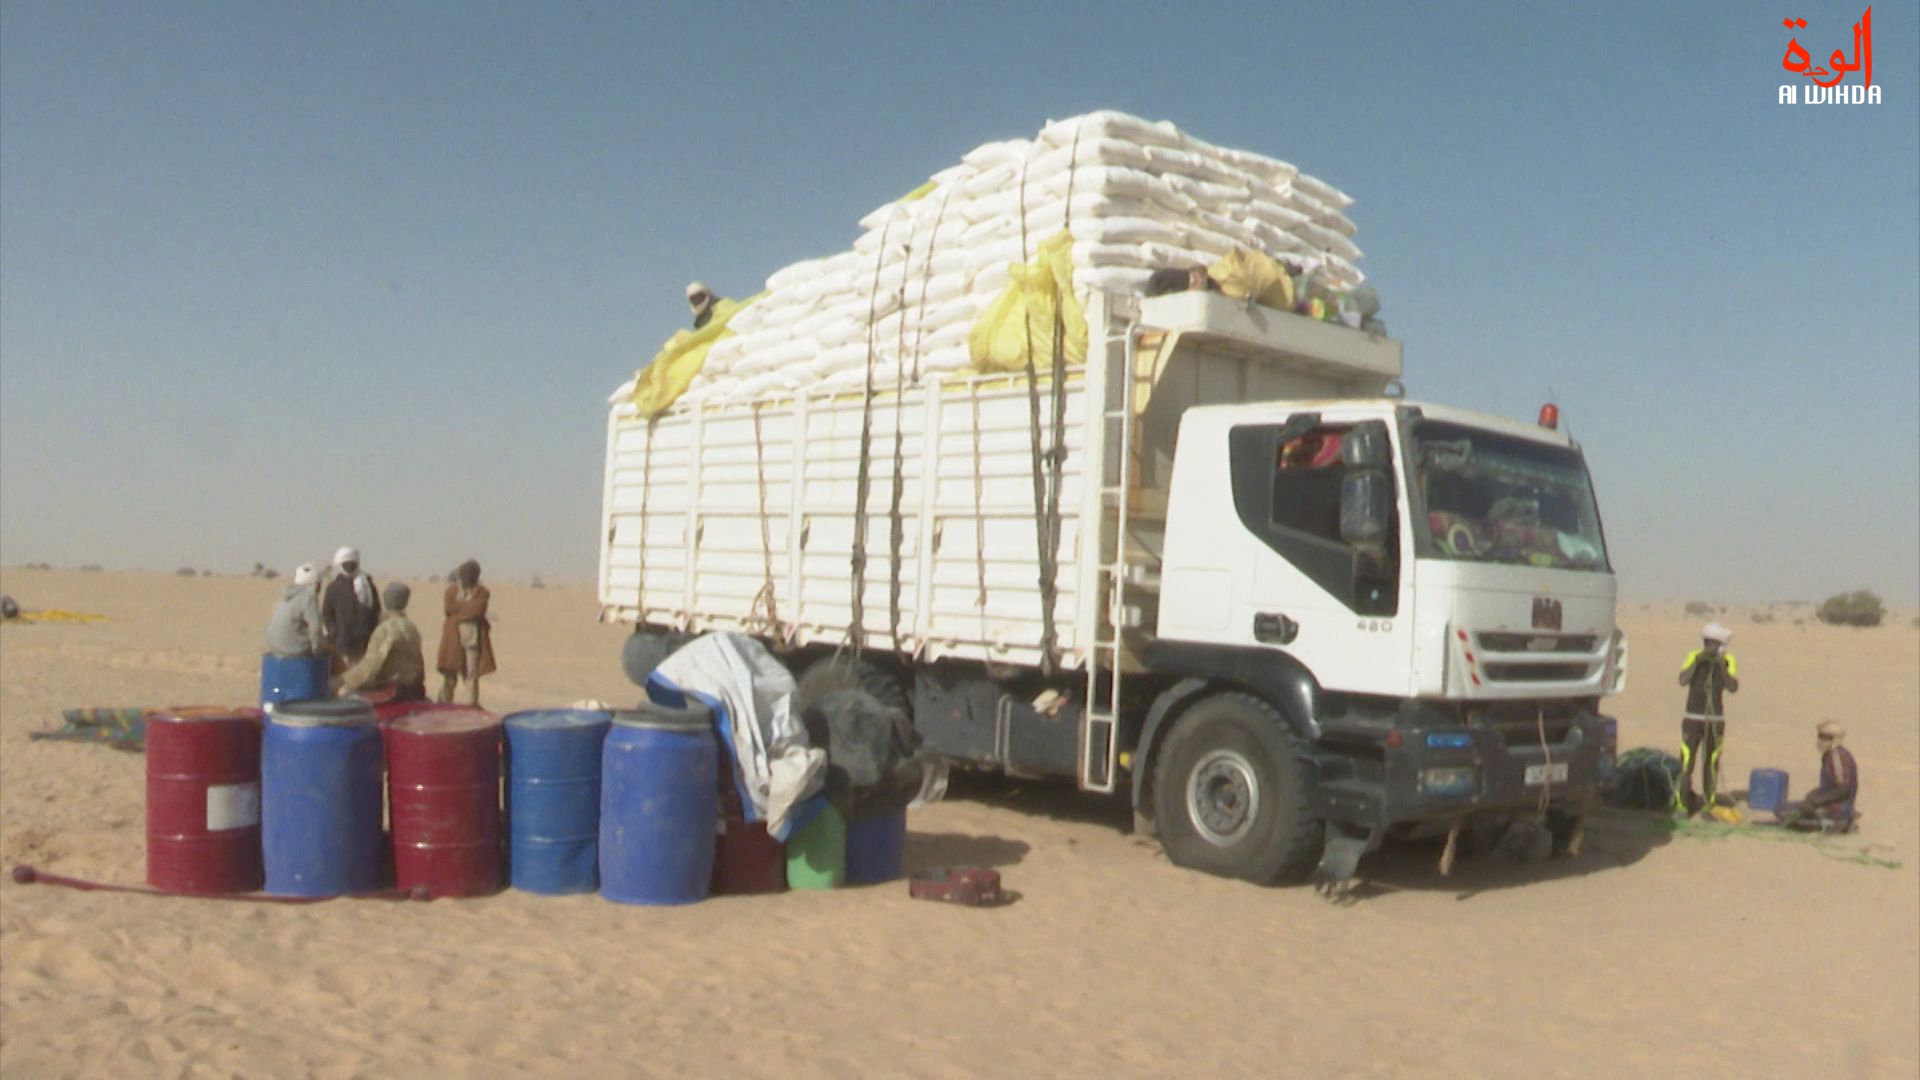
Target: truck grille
{"x": 1495, "y": 641}
{"x": 1498, "y": 672}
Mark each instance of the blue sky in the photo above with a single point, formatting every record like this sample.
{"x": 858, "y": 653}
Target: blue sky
{"x": 279, "y": 277}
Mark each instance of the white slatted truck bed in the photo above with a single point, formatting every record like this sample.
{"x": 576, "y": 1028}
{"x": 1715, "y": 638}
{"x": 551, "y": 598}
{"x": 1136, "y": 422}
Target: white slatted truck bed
{"x": 1289, "y": 615}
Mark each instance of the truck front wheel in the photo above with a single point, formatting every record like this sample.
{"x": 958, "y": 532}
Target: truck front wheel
{"x": 1230, "y": 793}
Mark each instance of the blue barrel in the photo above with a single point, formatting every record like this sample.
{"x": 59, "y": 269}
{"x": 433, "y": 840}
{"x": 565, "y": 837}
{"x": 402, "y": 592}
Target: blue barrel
{"x": 553, "y": 800}
{"x": 321, "y": 791}
{"x": 658, "y": 805}
{"x": 1767, "y": 789}
{"x": 292, "y": 678}
{"x": 876, "y": 848}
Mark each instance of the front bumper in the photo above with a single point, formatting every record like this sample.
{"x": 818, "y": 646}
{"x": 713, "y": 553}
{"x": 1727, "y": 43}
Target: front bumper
{"x": 1407, "y": 777}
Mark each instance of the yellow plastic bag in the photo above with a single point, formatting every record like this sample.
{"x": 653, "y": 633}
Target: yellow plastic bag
{"x": 1022, "y": 316}
{"x": 1245, "y": 273}
{"x": 660, "y": 383}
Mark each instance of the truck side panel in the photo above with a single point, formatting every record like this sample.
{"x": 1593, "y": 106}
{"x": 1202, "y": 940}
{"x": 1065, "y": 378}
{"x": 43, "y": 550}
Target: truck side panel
{"x": 966, "y": 520}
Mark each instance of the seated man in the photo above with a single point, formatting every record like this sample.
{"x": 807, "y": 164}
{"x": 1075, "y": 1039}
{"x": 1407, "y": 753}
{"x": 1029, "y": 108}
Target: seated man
{"x": 393, "y": 661}
{"x": 1828, "y": 807}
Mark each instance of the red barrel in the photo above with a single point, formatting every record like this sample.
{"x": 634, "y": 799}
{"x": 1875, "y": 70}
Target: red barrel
{"x": 443, "y": 791}
{"x": 203, "y": 800}
{"x": 389, "y": 711}
{"x": 745, "y": 858}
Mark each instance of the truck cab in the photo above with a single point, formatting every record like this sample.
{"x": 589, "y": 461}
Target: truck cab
{"x": 1375, "y": 617}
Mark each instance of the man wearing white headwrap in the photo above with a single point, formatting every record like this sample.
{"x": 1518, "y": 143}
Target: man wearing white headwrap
{"x": 701, "y": 300}
{"x": 349, "y": 608}
{"x": 294, "y": 629}
{"x": 1709, "y": 671}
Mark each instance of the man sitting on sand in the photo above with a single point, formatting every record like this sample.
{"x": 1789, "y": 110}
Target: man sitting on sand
{"x": 1828, "y": 807}
{"x": 393, "y": 659}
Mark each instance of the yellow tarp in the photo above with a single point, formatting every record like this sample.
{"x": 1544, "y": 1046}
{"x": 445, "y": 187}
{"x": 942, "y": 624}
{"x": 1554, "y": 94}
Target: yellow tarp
{"x": 660, "y": 383}
{"x": 1245, "y": 273}
{"x": 57, "y": 615}
{"x": 1022, "y": 317}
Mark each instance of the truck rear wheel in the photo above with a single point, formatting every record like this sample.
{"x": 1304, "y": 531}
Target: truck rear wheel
{"x": 645, "y": 650}
{"x": 1230, "y": 793}
{"x": 831, "y": 674}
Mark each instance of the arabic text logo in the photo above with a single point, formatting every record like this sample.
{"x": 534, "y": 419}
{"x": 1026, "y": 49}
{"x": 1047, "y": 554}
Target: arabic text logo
{"x": 1824, "y": 81}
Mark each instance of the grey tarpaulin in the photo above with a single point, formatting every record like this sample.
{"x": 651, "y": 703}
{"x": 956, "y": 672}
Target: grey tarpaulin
{"x": 752, "y": 694}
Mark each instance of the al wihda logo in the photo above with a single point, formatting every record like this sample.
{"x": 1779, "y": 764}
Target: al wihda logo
{"x": 1824, "y": 83}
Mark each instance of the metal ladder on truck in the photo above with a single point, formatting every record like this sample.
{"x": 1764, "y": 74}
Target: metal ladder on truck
{"x": 1100, "y": 731}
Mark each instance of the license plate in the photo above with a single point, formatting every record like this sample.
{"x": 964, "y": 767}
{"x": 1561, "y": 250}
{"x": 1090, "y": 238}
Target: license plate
{"x": 1545, "y": 774}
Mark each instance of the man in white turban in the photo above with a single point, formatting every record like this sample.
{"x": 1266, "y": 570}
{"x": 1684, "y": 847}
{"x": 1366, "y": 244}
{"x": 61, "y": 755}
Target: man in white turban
{"x": 349, "y": 608}
{"x": 1708, "y": 673}
{"x": 294, "y": 629}
{"x": 701, "y": 300}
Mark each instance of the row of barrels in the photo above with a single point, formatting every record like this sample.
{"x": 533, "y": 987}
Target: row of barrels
{"x": 338, "y": 797}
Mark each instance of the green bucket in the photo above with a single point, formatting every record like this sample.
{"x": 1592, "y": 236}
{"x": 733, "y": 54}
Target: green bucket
{"x": 817, "y": 851}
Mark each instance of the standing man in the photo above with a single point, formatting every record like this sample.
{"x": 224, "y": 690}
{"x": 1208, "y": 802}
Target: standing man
{"x": 466, "y": 639}
{"x": 349, "y": 609}
{"x": 1709, "y": 672}
{"x": 701, "y": 300}
{"x": 294, "y": 629}
{"x": 393, "y": 659}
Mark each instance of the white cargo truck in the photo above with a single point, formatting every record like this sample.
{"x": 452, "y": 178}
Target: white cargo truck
{"x": 1224, "y": 567}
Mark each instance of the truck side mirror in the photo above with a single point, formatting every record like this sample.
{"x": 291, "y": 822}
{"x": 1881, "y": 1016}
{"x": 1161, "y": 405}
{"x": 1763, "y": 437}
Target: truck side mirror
{"x": 1365, "y": 447}
{"x": 1366, "y": 508}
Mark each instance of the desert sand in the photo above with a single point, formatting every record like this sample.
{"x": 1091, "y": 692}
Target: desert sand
{"x": 1648, "y": 954}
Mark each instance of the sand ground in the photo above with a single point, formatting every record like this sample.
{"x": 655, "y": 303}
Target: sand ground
{"x": 1648, "y": 954}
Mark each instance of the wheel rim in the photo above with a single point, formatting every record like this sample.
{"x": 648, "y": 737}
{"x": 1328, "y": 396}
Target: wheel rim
{"x": 1223, "y": 797}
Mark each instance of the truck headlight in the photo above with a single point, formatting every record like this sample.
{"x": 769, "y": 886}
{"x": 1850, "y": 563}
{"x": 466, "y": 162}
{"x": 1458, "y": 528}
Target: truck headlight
{"x": 1457, "y": 780}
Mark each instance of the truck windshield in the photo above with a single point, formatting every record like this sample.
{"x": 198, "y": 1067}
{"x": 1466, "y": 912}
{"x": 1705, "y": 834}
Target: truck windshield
{"x": 1498, "y": 498}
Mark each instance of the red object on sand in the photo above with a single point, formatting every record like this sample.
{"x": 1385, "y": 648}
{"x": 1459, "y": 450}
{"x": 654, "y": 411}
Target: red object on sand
{"x": 974, "y": 886}
{"x": 443, "y": 791}
{"x": 203, "y": 800}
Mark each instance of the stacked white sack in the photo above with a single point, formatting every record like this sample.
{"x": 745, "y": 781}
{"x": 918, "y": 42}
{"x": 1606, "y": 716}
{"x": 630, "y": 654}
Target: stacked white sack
{"x": 1138, "y": 196}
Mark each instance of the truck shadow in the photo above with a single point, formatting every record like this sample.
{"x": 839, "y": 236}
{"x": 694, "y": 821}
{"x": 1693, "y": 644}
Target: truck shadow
{"x": 1614, "y": 839}
{"x": 927, "y": 851}
{"x": 1058, "y": 800}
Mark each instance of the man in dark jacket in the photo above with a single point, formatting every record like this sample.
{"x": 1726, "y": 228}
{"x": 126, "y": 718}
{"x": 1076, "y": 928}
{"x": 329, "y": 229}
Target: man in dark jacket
{"x": 1708, "y": 673}
{"x": 349, "y": 609}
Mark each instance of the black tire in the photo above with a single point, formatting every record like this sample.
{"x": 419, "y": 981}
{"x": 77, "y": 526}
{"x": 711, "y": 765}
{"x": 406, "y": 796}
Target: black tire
{"x": 1230, "y": 793}
{"x": 830, "y": 674}
{"x": 645, "y": 650}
